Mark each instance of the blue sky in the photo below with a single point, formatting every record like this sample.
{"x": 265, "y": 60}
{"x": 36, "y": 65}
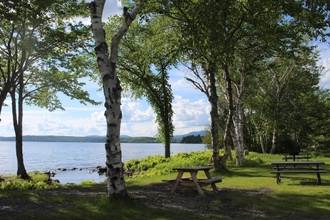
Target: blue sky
{"x": 190, "y": 106}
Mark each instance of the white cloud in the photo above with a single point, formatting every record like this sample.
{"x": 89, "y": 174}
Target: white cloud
{"x": 186, "y": 90}
{"x": 190, "y": 116}
{"x": 325, "y": 79}
{"x": 324, "y": 50}
{"x": 181, "y": 85}
{"x": 138, "y": 119}
{"x": 110, "y": 8}
{"x": 98, "y": 117}
{"x": 43, "y": 122}
{"x": 133, "y": 112}
{"x": 6, "y": 126}
{"x": 139, "y": 129}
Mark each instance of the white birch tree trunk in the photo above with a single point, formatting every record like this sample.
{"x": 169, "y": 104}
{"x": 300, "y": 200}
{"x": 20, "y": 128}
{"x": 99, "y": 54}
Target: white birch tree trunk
{"x": 281, "y": 80}
{"x": 112, "y": 93}
{"x": 260, "y": 134}
{"x": 237, "y": 133}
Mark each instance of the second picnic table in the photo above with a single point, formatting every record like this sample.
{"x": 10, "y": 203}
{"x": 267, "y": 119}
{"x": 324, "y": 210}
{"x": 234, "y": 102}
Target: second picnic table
{"x": 192, "y": 180}
{"x": 297, "y": 155}
{"x": 299, "y": 167}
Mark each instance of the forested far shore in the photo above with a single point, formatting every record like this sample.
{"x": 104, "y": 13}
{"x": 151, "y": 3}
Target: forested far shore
{"x": 96, "y": 139}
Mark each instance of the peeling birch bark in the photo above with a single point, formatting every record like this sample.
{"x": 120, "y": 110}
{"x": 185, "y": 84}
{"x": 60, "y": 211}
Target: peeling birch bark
{"x": 237, "y": 133}
{"x": 112, "y": 92}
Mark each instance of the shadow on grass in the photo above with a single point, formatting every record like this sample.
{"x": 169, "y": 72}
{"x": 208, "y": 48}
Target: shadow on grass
{"x": 228, "y": 203}
{"x": 102, "y": 208}
{"x": 296, "y": 206}
{"x": 303, "y": 181}
{"x": 262, "y": 170}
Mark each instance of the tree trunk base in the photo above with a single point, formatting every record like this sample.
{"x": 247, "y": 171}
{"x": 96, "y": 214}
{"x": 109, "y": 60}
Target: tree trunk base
{"x": 24, "y": 176}
{"x": 221, "y": 165}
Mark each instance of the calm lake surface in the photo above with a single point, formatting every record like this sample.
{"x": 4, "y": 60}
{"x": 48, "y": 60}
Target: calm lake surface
{"x": 85, "y": 157}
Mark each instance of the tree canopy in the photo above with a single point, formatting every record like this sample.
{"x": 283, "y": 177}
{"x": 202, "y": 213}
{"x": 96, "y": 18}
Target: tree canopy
{"x": 41, "y": 55}
{"x": 232, "y": 44}
{"x": 42, "y": 40}
{"x": 146, "y": 54}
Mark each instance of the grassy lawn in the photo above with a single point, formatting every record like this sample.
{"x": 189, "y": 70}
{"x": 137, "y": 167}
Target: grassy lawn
{"x": 297, "y": 197}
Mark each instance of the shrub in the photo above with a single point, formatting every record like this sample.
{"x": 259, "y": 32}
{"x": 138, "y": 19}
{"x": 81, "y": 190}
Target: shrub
{"x": 37, "y": 181}
{"x": 159, "y": 165}
{"x": 144, "y": 163}
{"x": 253, "y": 159}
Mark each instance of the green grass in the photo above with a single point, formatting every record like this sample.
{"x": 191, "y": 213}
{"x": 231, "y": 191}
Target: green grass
{"x": 297, "y": 197}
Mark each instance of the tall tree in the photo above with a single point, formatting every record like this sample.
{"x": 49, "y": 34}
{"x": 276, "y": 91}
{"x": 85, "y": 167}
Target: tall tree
{"x": 212, "y": 41}
{"x": 145, "y": 55}
{"x": 38, "y": 40}
{"x": 107, "y": 65}
{"x": 280, "y": 102}
{"x": 318, "y": 107}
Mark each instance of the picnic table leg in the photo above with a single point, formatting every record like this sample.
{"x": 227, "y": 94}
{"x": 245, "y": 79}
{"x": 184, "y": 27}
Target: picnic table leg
{"x": 195, "y": 180}
{"x": 278, "y": 175}
{"x": 318, "y": 174}
{"x": 214, "y": 187}
{"x": 177, "y": 181}
{"x": 278, "y": 178}
{"x": 318, "y": 178}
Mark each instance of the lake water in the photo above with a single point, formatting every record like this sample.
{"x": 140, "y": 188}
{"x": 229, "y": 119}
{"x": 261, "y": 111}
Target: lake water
{"x": 85, "y": 157}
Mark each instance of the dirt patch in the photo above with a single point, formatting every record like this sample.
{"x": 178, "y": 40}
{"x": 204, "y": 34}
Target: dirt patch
{"x": 218, "y": 203}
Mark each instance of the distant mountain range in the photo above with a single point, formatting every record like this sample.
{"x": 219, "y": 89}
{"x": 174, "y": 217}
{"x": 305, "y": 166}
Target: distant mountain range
{"x": 96, "y": 138}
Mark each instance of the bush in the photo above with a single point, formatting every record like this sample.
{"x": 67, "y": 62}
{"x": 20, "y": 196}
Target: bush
{"x": 144, "y": 164}
{"x": 253, "y": 159}
{"x": 159, "y": 165}
{"x": 37, "y": 181}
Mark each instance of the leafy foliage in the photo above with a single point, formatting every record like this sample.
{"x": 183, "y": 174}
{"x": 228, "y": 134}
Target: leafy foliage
{"x": 41, "y": 57}
{"x": 44, "y": 43}
{"x": 146, "y": 54}
{"x": 37, "y": 181}
{"x": 159, "y": 165}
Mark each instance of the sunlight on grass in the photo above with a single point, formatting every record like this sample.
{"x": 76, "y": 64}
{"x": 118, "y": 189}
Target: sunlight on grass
{"x": 251, "y": 186}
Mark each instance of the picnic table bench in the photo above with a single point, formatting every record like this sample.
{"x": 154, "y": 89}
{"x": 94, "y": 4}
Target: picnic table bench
{"x": 296, "y": 156}
{"x": 300, "y": 167}
{"x": 192, "y": 180}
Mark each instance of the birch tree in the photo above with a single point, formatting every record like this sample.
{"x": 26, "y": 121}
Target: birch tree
{"x": 275, "y": 99}
{"x": 112, "y": 91}
{"x": 238, "y": 120}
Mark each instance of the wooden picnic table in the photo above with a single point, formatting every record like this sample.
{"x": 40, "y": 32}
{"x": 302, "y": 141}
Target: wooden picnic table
{"x": 299, "y": 167}
{"x": 192, "y": 180}
{"x": 295, "y": 156}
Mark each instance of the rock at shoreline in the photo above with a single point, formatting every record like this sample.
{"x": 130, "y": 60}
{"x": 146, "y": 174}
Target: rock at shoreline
{"x": 101, "y": 170}
{"x": 49, "y": 173}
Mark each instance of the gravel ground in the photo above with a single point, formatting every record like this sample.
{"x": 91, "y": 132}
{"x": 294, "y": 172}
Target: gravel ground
{"x": 152, "y": 196}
